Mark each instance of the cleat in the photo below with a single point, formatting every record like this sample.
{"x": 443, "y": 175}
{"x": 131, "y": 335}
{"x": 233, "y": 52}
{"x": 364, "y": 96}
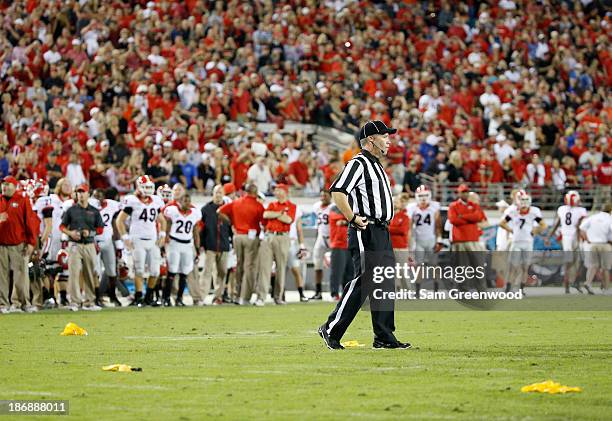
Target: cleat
{"x": 50, "y": 304}
{"x": 15, "y": 309}
{"x": 303, "y": 299}
{"x": 259, "y": 303}
{"x": 31, "y": 309}
{"x": 279, "y": 302}
{"x": 99, "y": 303}
{"x": 217, "y": 302}
{"x": 390, "y": 345}
{"x": 91, "y": 307}
{"x": 137, "y": 302}
{"x": 589, "y": 290}
{"x": 317, "y": 296}
{"x": 167, "y": 302}
{"x": 64, "y": 302}
{"x": 331, "y": 343}
{"x": 4, "y": 310}
{"x": 116, "y": 302}
{"x": 72, "y": 307}
{"x": 179, "y": 302}
{"x": 577, "y": 286}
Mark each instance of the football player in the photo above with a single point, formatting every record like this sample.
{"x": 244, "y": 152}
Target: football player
{"x": 568, "y": 218}
{"x": 426, "y": 229}
{"x": 50, "y": 209}
{"x": 143, "y": 239}
{"x": 183, "y": 233}
{"x": 519, "y": 220}
{"x": 165, "y": 193}
{"x": 321, "y": 210}
{"x": 109, "y": 209}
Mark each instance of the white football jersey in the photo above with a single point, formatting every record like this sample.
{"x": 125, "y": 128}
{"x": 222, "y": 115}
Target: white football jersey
{"x": 183, "y": 223}
{"x": 143, "y": 216}
{"x": 522, "y": 223}
{"x": 569, "y": 216}
{"x": 598, "y": 227}
{"x": 293, "y": 227}
{"x": 59, "y": 207}
{"x": 423, "y": 221}
{"x": 322, "y": 218}
{"x": 108, "y": 209}
{"x": 41, "y": 206}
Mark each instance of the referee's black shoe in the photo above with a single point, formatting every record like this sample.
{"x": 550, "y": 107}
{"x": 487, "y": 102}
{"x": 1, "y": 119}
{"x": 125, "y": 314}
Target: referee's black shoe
{"x": 390, "y": 345}
{"x": 329, "y": 342}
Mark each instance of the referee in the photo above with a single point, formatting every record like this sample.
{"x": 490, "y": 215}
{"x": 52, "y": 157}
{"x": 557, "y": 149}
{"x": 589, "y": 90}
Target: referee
{"x": 362, "y": 193}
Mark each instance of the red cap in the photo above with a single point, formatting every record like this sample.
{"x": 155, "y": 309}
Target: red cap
{"x": 10, "y": 179}
{"x": 229, "y": 188}
{"x": 83, "y": 187}
{"x": 283, "y": 187}
{"x": 462, "y": 188}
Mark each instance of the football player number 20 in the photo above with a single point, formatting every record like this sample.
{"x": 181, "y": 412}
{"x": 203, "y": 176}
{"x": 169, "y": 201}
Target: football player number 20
{"x": 184, "y": 227}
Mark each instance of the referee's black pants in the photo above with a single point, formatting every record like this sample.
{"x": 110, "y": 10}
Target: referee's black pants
{"x": 369, "y": 248}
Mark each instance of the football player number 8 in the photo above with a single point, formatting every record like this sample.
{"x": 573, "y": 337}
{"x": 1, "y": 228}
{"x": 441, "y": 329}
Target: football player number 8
{"x": 148, "y": 216}
{"x": 568, "y": 218}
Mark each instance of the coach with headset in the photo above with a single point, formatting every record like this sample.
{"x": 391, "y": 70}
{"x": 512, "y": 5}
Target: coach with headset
{"x": 362, "y": 193}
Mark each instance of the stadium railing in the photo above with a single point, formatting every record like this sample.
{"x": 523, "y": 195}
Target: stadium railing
{"x": 545, "y": 197}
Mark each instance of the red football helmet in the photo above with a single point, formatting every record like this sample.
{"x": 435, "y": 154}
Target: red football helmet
{"x": 123, "y": 270}
{"x": 41, "y": 188}
{"x": 572, "y": 198}
{"x": 62, "y": 259}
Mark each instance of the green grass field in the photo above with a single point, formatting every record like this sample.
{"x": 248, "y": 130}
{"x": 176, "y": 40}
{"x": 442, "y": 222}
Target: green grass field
{"x": 253, "y": 363}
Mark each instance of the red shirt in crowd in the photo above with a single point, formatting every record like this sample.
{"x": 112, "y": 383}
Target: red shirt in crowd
{"x": 18, "y": 222}
{"x": 338, "y": 229}
{"x": 240, "y": 173}
{"x": 604, "y": 173}
{"x": 399, "y": 228}
{"x": 300, "y": 171}
{"x": 465, "y": 217}
{"x": 245, "y": 214}
{"x": 274, "y": 225}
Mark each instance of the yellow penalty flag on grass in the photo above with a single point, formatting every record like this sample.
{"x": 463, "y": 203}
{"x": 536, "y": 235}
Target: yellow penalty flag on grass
{"x": 120, "y": 367}
{"x": 351, "y": 344}
{"x": 72, "y": 329}
{"x": 549, "y": 386}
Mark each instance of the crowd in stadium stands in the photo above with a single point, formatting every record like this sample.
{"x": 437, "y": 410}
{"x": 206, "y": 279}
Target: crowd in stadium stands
{"x": 482, "y": 91}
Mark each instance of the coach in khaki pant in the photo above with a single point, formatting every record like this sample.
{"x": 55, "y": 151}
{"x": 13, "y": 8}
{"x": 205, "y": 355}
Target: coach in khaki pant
{"x": 275, "y": 247}
{"x": 215, "y": 240}
{"x": 596, "y": 232}
{"x": 18, "y": 232}
{"x": 81, "y": 223}
{"x": 246, "y": 217}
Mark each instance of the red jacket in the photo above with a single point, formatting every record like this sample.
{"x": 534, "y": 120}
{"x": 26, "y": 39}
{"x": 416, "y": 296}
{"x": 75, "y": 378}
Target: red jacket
{"x": 465, "y": 217}
{"x": 399, "y": 228}
{"x": 338, "y": 234}
{"x": 21, "y": 224}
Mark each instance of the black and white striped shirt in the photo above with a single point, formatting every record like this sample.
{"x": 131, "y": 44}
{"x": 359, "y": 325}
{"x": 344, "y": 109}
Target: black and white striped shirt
{"x": 367, "y": 186}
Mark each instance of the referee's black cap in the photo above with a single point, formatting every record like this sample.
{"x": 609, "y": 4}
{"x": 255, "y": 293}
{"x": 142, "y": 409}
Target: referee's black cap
{"x": 374, "y": 127}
